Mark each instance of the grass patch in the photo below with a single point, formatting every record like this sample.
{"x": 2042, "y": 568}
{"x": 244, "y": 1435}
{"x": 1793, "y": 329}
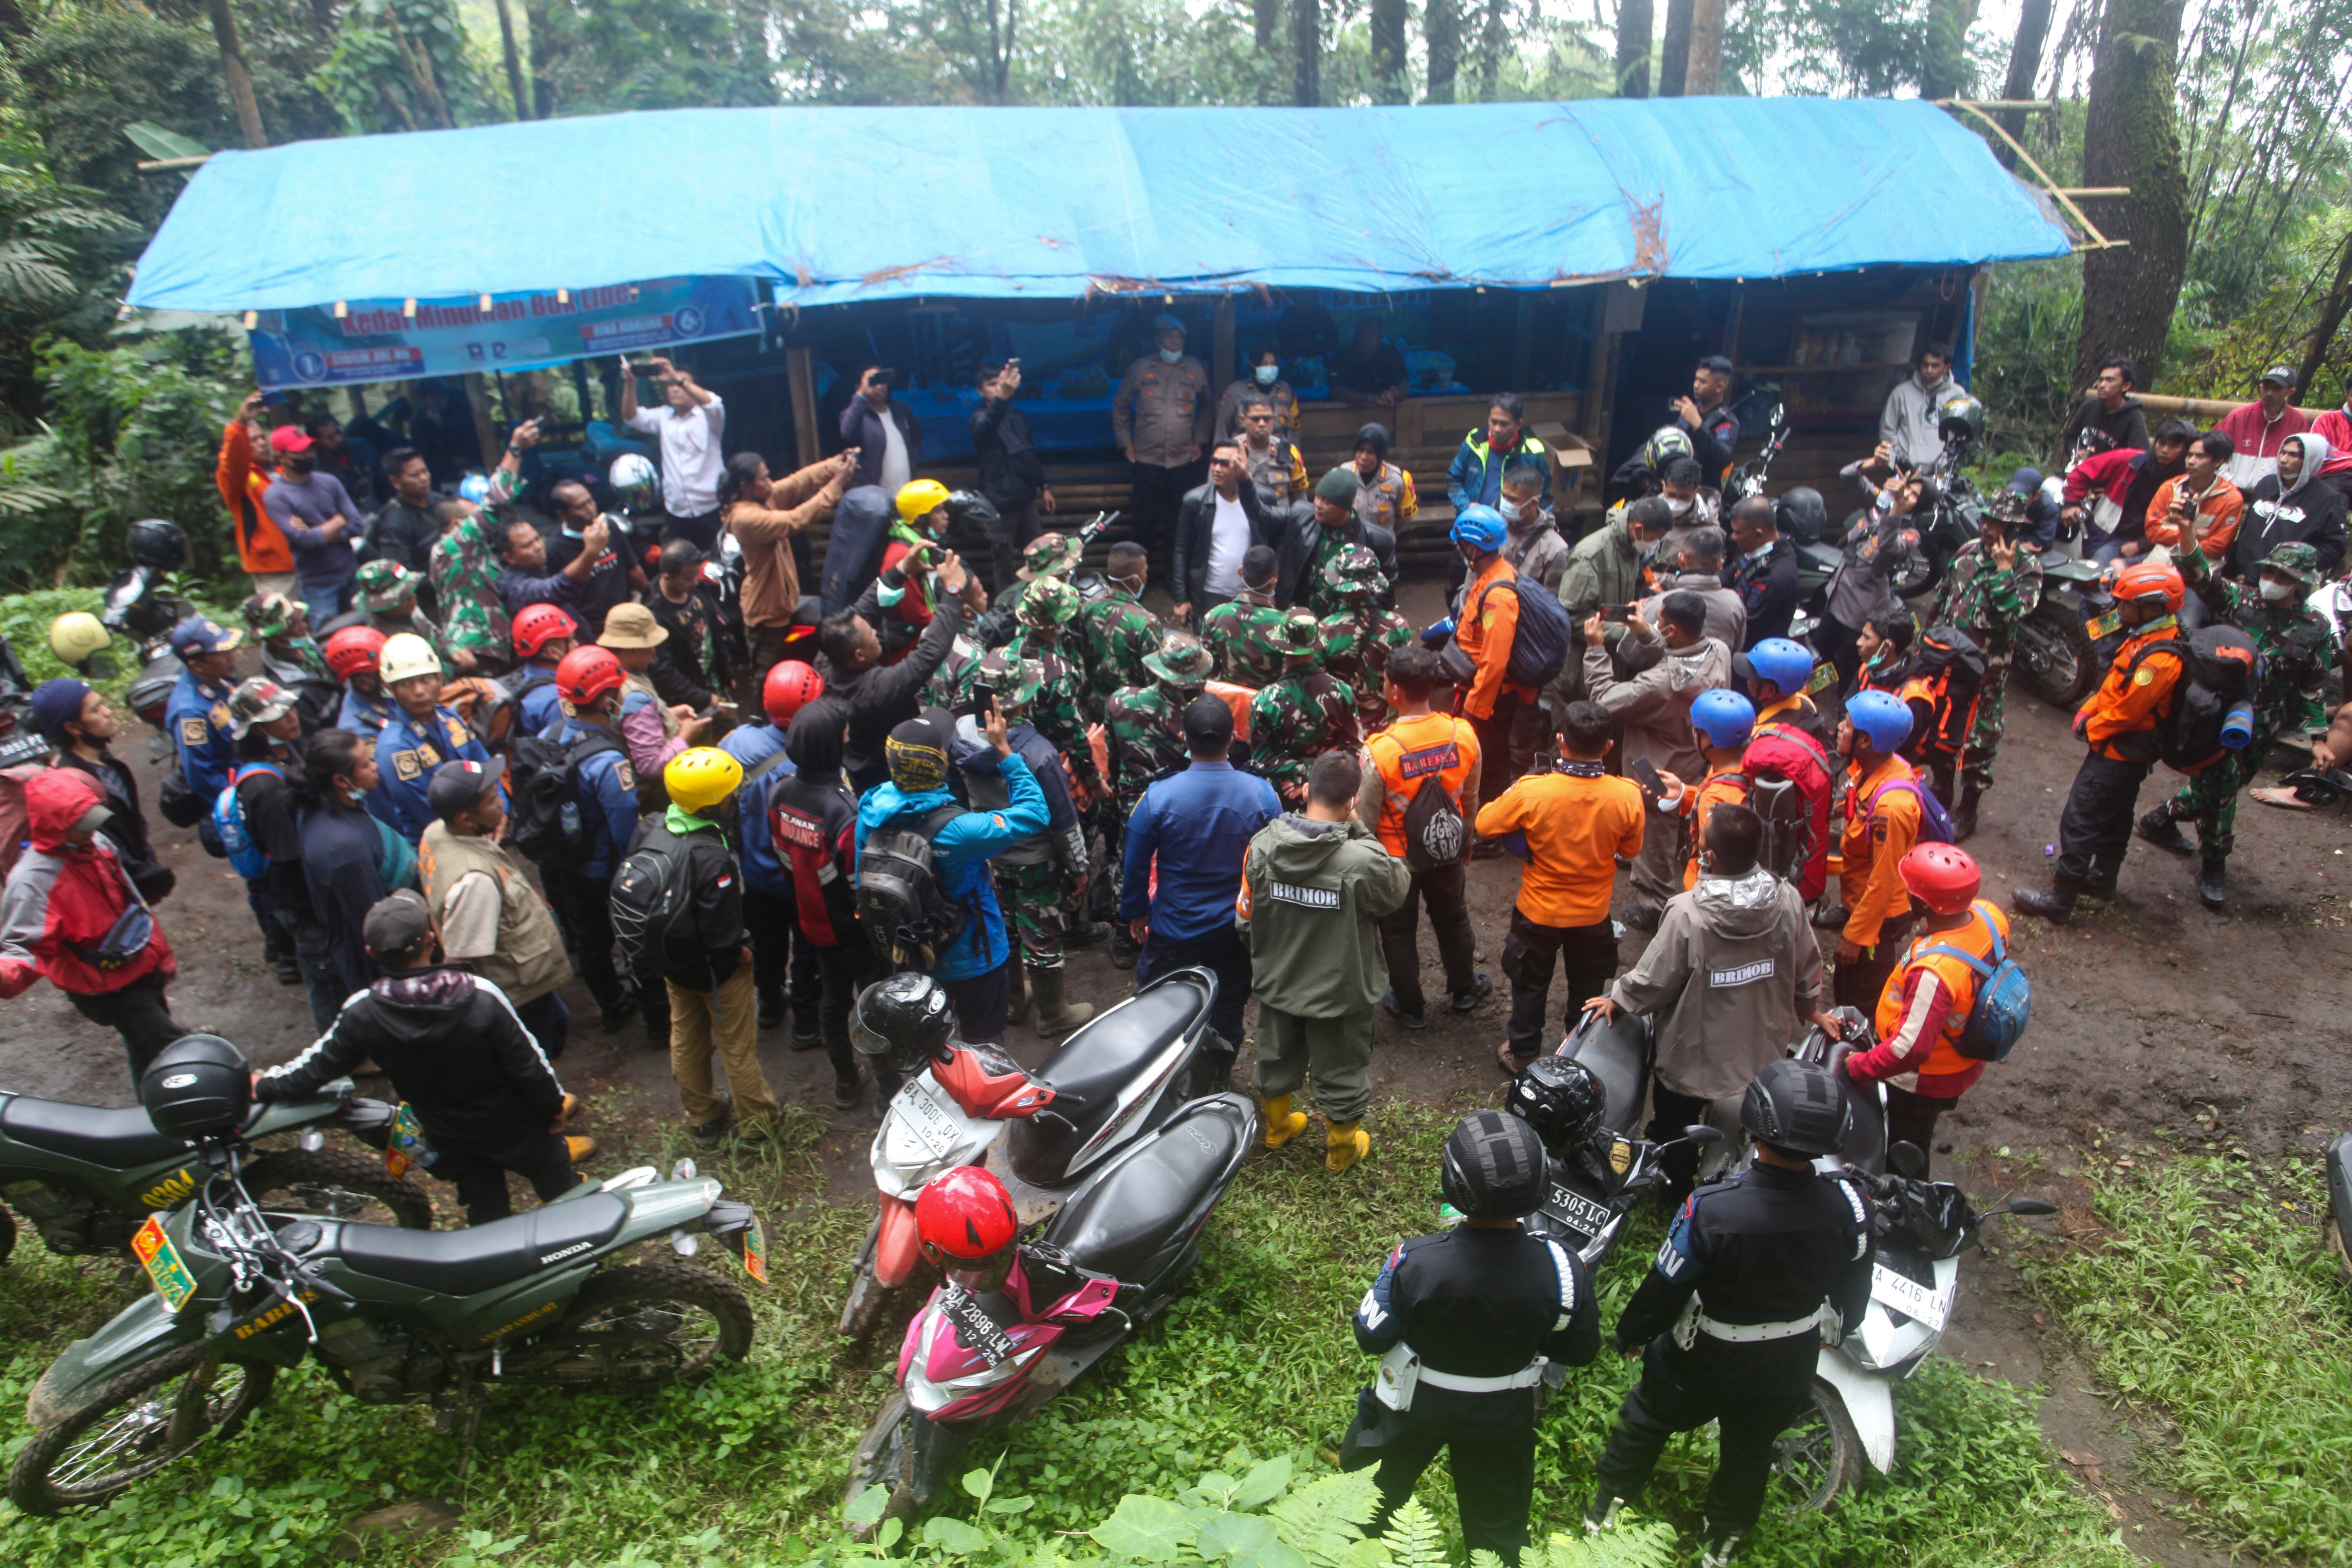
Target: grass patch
{"x": 25, "y": 621}
{"x": 2215, "y": 1303}
{"x": 747, "y": 1468}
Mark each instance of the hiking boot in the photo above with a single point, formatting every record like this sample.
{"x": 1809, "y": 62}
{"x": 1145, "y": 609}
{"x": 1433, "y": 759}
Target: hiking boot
{"x": 2213, "y": 884}
{"x": 1344, "y": 1143}
{"x": 1964, "y": 816}
{"x": 613, "y": 1015}
{"x": 1718, "y": 1548}
{"x": 1416, "y": 1019}
{"x": 845, "y": 1091}
{"x": 1643, "y": 918}
{"x": 805, "y": 1033}
{"x": 771, "y": 1006}
{"x": 1124, "y": 949}
{"x": 1056, "y": 1016}
{"x": 288, "y": 971}
{"x": 580, "y": 1148}
{"x": 571, "y": 1105}
{"x": 711, "y": 1132}
{"x": 1829, "y": 917}
{"x": 1481, "y": 987}
{"x": 1281, "y": 1124}
{"x": 2055, "y": 904}
{"x": 2159, "y": 829}
{"x": 1085, "y": 934}
{"x": 1510, "y": 1062}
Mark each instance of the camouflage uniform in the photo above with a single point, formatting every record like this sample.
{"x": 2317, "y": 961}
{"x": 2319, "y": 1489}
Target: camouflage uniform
{"x": 950, "y": 685}
{"x": 1987, "y": 604}
{"x": 1356, "y": 642}
{"x": 1059, "y": 712}
{"x": 1147, "y": 722}
{"x": 1049, "y": 557}
{"x": 2298, "y": 648}
{"x": 1115, "y": 633}
{"x": 1321, "y": 597}
{"x": 1239, "y": 635}
{"x": 464, "y": 569}
{"x": 1303, "y": 714}
{"x": 1037, "y": 878}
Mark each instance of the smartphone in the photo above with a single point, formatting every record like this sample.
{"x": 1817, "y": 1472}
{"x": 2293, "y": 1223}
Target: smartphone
{"x": 1622, "y": 614}
{"x": 983, "y": 700}
{"x": 272, "y": 399}
{"x": 1013, "y": 364}
{"x": 1645, "y": 773}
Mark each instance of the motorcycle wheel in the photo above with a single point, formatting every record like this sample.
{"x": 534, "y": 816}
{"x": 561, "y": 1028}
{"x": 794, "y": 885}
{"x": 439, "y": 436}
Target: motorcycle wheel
{"x": 872, "y": 1304}
{"x": 2333, "y": 1228}
{"x": 103, "y": 1450}
{"x": 1818, "y": 1458}
{"x": 7, "y": 1235}
{"x": 886, "y": 1457}
{"x": 645, "y": 1326}
{"x": 2053, "y": 656}
{"x": 334, "y": 1184}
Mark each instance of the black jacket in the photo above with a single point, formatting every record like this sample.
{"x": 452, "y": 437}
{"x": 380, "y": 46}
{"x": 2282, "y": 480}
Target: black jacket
{"x": 1309, "y": 533}
{"x": 339, "y": 850}
{"x": 1011, "y": 473}
{"x": 679, "y": 675}
{"x": 2126, "y": 427}
{"x": 127, "y": 829}
{"x": 883, "y": 696}
{"x": 2313, "y": 515}
{"x": 704, "y": 944}
{"x": 1196, "y": 516}
{"x": 454, "y": 1049}
{"x": 1767, "y": 588}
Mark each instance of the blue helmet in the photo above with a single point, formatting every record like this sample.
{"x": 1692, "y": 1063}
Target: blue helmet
{"x": 1481, "y": 526}
{"x": 1787, "y": 665}
{"x": 475, "y": 487}
{"x": 1883, "y": 717}
{"x": 1726, "y": 718}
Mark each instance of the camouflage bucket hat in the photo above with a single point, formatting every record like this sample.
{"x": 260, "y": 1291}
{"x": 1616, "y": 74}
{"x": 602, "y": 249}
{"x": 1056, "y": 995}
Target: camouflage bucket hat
{"x": 383, "y": 584}
{"x": 1180, "y": 661}
{"x": 258, "y": 701}
{"x": 270, "y": 615}
{"x": 2297, "y": 560}
{"x": 1047, "y": 602}
{"x": 1015, "y": 681}
{"x": 1355, "y": 569}
{"x": 1050, "y": 555}
{"x": 1300, "y": 632}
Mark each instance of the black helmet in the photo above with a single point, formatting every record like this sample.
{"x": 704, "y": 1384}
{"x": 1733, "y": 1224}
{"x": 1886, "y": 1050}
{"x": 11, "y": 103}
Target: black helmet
{"x": 905, "y": 1021}
{"x": 971, "y": 509}
{"x": 1799, "y": 514}
{"x": 155, "y": 542}
{"x": 1559, "y": 1098}
{"x": 1494, "y": 1167}
{"x": 1797, "y": 1107}
{"x": 1959, "y": 417}
{"x": 200, "y": 1087}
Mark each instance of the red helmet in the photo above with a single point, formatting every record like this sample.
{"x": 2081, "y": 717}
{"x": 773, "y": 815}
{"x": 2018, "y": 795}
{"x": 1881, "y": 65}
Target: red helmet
{"x": 1940, "y": 876}
{"x": 353, "y": 651}
{"x": 791, "y": 686}
{"x": 540, "y": 624}
{"x": 587, "y": 673}
{"x": 965, "y": 1216}
{"x": 2148, "y": 580}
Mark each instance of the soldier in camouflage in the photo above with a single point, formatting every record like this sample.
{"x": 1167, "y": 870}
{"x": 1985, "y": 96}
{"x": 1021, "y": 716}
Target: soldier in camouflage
{"x": 1146, "y": 724}
{"x": 1357, "y": 639}
{"x": 1114, "y": 632}
{"x": 2298, "y": 648}
{"x": 1303, "y": 714}
{"x": 1049, "y": 557}
{"x": 1991, "y": 586}
{"x": 1239, "y": 634}
{"x": 1047, "y": 605}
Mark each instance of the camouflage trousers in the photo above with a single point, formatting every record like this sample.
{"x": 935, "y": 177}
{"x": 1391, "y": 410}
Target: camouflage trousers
{"x": 2209, "y": 799}
{"x": 1038, "y": 910}
{"x": 1984, "y": 735}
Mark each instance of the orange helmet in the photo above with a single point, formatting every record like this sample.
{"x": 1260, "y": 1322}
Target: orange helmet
{"x": 964, "y": 1216}
{"x": 540, "y": 624}
{"x": 1940, "y": 876}
{"x": 587, "y": 673}
{"x": 353, "y": 651}
{"x": 2149, "y": 579}
{"x": 791, "y": 686}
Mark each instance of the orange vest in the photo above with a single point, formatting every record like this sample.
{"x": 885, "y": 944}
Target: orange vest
{"x": 1731, "y": 787}
{"x": 1943, "y": 1055}
{"x": 1409, "y": 753}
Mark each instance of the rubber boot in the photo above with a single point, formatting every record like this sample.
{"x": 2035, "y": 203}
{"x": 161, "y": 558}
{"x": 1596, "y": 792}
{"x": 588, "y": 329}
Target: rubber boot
{"x": 1964, "y": 816}
{"x": 1281, "y": 1124}
{"x": 2159, "y": 829}
{"x": 579, "y": 1148}
{"x": 1056, "y": 1016}
{"x": 1344, "y": 1143}
{"x": 1016, "y": 1007}
{"x": 2213, "y": 883}
{"x": 2055, "y": 905}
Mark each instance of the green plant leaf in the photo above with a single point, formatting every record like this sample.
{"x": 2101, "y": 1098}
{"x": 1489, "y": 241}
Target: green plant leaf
{"x": 887, "y": 1536}
{"x": 157, "y": 143}
{"x": 1264, "y": 1483}
{"x": 866, "y": 1506}
{"x": 1150, "y": 1528}
{"x": 978, "y": 1483}
{"x": 1413, "y": 1540}
{"x": 955, "y": 1535}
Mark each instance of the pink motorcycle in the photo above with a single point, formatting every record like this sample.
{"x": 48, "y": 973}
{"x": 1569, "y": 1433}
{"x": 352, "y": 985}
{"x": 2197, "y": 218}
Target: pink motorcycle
{"x": 989, "y": 1348}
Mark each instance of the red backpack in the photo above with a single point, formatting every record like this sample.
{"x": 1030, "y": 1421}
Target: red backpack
{"x": 1788, "y": 786}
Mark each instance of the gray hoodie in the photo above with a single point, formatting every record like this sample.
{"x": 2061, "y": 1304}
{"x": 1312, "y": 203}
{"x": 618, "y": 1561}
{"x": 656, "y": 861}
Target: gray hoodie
{"x": 1908, "y": 422}
{"x": 1655, "y": 703}
{"x": 1311, "y": 892}
{"x": 1732, "y": 969}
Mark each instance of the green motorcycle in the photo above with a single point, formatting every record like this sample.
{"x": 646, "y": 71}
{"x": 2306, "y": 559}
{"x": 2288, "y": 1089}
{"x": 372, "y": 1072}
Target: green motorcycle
{"x": 394, "y": 1316}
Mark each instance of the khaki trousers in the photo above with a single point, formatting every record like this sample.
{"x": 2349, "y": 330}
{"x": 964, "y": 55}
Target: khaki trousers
{"x": 725, "y": 1021}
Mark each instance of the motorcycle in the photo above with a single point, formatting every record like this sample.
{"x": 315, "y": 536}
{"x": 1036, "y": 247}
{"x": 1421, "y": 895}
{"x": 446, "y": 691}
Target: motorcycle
{"x": 2338, "y": 1223}
{"x": 20, "y": 740}
{"x": 2053, "y": 652}
{"x": 1101, "y": 1092}
{"x": 1748, "y": 479}
{"x": 393, "y": 1316}
{"x": 88, "y": 1179}
{"x": 1113, "y": 1257}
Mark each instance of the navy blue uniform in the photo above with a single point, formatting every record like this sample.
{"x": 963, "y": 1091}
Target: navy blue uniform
{"x": 536, "y": 703}
{"x": 363, "y": 715}
{"x": 407, "y": 750}
{"x": 197, "y": 718}
{"x": 581, "y": 896}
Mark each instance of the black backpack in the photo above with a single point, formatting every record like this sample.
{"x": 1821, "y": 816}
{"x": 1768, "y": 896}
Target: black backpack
{"x": 648, "y": 891}
{"x": 1539, "y": 646}
{"x": 544, "y": 811}
{"x": 177, "y": 802}
{"x": 2220, "y": 669}
{"x": 904, "y": 911}
{"x": 1434, "y": 833}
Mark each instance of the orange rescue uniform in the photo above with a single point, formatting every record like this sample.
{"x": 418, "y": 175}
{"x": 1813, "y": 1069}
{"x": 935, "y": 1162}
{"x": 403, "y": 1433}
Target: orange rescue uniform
{"x": 1575, "y": 829}
{"x": 1489, "y": 623}
{"x": 260, "y": 545}
{"x": 1412, "y": 751}
{"x": 1881, "y": 826}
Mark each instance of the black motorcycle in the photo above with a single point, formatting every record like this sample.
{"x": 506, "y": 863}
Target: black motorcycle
{"x": 20, "y": 740}
{"x": 2339, "y": 1202}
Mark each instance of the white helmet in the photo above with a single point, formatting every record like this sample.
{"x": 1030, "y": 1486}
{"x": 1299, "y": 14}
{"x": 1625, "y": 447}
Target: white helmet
{"x": 406, "y": 655}
{"x": 635, "y": 482}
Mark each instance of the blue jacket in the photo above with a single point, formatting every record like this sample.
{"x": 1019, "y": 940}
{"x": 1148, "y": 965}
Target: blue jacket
{"x": 197, "y": 718}
{"x": 363, "y": 715}
{"x": 962, "y": 852}
{"x": 339, "y": 849}
{"x": 755, "y": 848}
{"x": 1476, "y": 477}
{"x": 1200, "y": 824}
{"x": 536, "y": 703}
{"x": 608, "y": 796}
{"x": 407, "y": 753}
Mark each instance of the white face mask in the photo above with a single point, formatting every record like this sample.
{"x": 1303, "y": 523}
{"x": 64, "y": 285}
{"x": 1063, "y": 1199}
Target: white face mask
{"x": 2277, "y": 593}
{"x": 1171, "y": 356}
{"x": 1268, "y": 374}
{"x": 1680, "y": 507}
{"x": 1521, "y": 511}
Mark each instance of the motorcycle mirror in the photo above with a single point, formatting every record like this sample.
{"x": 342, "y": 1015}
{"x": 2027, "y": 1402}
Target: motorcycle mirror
{"x": 1702, "y": 1136}
{"x": 2030, "y": 1206}
{"x": 1907, "y": 1161}
{"x": 683, "y": 1171}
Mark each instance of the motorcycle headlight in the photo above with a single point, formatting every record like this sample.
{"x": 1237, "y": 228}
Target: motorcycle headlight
{"x": 926, "y": 1395}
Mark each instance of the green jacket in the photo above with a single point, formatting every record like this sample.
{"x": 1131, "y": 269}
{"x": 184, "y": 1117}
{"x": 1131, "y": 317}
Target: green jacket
{"x": 1310, "y": 894}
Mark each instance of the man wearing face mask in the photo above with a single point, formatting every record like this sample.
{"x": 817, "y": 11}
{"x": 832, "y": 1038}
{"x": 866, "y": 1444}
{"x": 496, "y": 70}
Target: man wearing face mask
{"x": 1114, "y": 632}
{"x": 1161, "y": 418}
{"x": 1764, "y": 571}
{"x": 1690, "y": 504}
{"x": 1700, "y": 570}
{"x": 1486, "y": 454}
{"x": 319, "y": 521}
{"x": 1535, "y": 547}
{"x": 1604, "y": 567}
{"x": 1263, "y": 379}
{"x": 2295, "y": 504}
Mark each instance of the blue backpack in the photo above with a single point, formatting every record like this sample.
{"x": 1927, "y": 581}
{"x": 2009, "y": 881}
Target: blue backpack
{"x": 2004, "y": 1001}
{"x": 228, "y": 821}
{"x": 1935, "y": 824}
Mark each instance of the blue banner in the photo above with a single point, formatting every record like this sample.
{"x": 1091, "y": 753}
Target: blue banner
{"x": 398, "y": 340}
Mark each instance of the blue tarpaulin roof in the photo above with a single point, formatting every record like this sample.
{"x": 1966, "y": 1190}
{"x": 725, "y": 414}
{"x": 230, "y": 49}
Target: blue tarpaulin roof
{"x": 837, "y": 204}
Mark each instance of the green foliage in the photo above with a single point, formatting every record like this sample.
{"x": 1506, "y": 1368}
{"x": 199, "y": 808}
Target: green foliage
{"x": 614, "y": 55}
{"x": 405, "y": 65}
{"x": 2213, "y": 1300}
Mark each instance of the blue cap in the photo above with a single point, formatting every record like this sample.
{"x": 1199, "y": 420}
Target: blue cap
{"x": 2026, "y": 481}
{"x": 1787, "y": 665}
{"x": 1480, "y": 525}
{"x": 56, "y": 704}
{"x": 1883, "y": 717}
{"x": 1725, "y": 718}
{"x": 199, "y": 635}
{"x": 1163, "y": 323}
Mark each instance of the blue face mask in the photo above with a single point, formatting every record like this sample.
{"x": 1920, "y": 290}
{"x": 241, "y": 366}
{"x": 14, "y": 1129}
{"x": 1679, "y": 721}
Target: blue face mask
{"x": 1171, "y": 356}
{"x": 1268, "y": 374}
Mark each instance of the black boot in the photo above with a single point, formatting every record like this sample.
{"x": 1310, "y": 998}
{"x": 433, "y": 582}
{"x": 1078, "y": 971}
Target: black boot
{"x": 771, "y": 1006}
{"x": 2159, "y": 829}
{"x": 1213, "y": 1066}
{"x": 2056, "y": 905}
{"x": 1124, "y": 949}
{"x": 2213, "y": 883}
{"x": 1964, "y": 816}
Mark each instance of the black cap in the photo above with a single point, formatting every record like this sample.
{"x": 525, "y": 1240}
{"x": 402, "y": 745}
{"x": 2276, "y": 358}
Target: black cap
{"x": 396, "y": 924}
{"x": 455, "y": 785}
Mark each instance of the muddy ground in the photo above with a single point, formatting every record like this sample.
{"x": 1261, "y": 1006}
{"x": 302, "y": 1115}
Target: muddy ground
{"x": 2152, "y": 1018}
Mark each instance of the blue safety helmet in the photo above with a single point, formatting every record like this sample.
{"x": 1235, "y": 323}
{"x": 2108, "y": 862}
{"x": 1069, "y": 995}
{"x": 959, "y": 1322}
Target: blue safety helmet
{"x": 475, "y": 487}
{"x": 1726, "y": 718}
{"x": 1882, "y": 716}
{"x": 1481, "y": 526}
{"x": 1787, "y": 665}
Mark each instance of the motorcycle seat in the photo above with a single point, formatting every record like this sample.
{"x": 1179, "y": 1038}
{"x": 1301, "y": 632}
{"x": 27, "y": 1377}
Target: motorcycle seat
{"x": 466, "y": 1262}
{"x": 1089, "y": 1071}
{"x": 1619, "y": 1056}
{"x": 1865, "y": 1145}
{"x": 1821, "y": 557}
{"x": 119, "y": 1140}
{"x": 1118, "y": 1226}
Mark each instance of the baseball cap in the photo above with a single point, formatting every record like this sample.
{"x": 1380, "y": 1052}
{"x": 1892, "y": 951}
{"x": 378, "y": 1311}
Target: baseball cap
{"x": 1164, "y": 322}
{"x": 198, "y": 634}
{"x": 455, "y": 785}
{"x": 57, "y": 703}
{"x": 397, "y": 922}
{"x": 2282, "y": 373}
{"x": 289, "y": 438}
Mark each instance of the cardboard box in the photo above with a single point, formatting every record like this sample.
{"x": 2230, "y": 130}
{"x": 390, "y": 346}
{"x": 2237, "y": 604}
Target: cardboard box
{"x": 1571, "y": 455}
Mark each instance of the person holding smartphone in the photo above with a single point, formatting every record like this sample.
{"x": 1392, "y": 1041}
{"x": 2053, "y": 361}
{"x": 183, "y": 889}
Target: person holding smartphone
{"x": 887, "y": 437}
{"x": 687, "y": 424}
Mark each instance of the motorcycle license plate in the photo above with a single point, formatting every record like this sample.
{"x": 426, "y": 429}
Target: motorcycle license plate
{"x": 156, "y": 1254}
{"x": 1576, "y": 1211}
{"x": 975, "y": 1329}
{"x": 929, "y": 1124}
{"x": 755, "y": 1250}
{"x": 1920, "y": 1304}
{"x": 1824, "y": 676}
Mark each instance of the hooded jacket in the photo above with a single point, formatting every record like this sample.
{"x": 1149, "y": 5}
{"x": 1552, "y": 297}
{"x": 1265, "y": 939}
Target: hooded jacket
{"x": 961, "y": 852}
{"x": 1907, "y": 423}
{"x": 1536, "y": 549}
{"x": 1733, "y": 967}
{"x": 1388, "y": 499}
{"x": 1310, "y": 893}
{"x": 454, "y": 1049}
{"x": 1655, "y": 704}
{"x": 61, "y": 900}
{"x": 2310, "y": 510}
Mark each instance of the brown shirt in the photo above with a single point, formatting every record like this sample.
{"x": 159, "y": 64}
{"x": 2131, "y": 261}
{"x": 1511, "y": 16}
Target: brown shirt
{"x": 772, "y": 583}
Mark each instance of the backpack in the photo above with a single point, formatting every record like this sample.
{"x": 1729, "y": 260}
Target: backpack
{"x": 2220, "y": 669}
{"x": 544, "y": 820}
{"x": 1788, "y": 786}
{"x": 1434, "y": 833}
{"x": 2004, "y": 1000}
{"x": 1935, "y": 826}
{"x": 176, "y": 802}
{"x": 648, "y": 890}
{"x": 15, "y": 820}
{"x": 1539, "y": 646}
{"x": 245, "y": 856}
{"x": 1947, "y": 673}
{"x": 905, "y": 912}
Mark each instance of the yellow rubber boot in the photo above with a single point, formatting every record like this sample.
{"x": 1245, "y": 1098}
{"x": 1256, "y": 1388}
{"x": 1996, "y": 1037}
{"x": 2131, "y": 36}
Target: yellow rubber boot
{"x": 1281, "y": 1124}
{"x": 1344, "y": 1143}
{"x": 580, "y": 1148}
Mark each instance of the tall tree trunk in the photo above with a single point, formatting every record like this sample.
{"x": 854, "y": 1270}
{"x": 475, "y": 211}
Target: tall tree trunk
{"x": 1494, "y": 37}
{"x": 1944, "y": 63}
{"x": 1673, "y": 50}
{"x": 2332, "y": 310}
{"x": 2024, "y": 71}
{"x": 1634, "y": 22}
{"x": 1307, "y": 42}
{"x": 1441, "y": 25}
{"x": 1265, "y": 17}
{"x": 2129, "y": 139}
{"x": 1703, "y": 76}
{"x": 514, "y": 62}
{"x": 536, "y": 42}
{"x": 240, "y": 81}
{"x": 1388, "y": 23}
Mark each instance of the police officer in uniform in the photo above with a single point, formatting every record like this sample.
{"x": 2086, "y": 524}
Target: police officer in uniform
{"x": 203, "y": 734}
{"x": 1755, "y": 1269}
{"x": 419, "y": 737}
{"x": 1465, "y": 1322}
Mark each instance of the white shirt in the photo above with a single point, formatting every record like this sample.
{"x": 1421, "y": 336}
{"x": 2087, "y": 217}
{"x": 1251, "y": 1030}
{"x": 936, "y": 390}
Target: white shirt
{"x": 690, "y": 460}
{"x": 1229, "y": 541}
{"x": 897, "y": 466}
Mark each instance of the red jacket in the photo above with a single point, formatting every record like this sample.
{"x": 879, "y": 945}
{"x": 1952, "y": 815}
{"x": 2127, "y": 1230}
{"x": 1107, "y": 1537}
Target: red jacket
{"x": 62, "y": 900}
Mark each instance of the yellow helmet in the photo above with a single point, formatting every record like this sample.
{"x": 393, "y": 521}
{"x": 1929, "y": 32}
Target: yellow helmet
{"x": 75, "y": 636}
{"x": 921, "y": 498}
{"x": 699, "y": 778}
{"x": 406, "y": 656}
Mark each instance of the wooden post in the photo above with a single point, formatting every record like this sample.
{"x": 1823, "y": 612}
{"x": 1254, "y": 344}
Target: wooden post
{"x": 514, "y": 62}
{"x": 1221, "y": 347}
{"x": 486, "y": 429}
{"x": 1705, "y": 68}
{"x": 800, "y": 376}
